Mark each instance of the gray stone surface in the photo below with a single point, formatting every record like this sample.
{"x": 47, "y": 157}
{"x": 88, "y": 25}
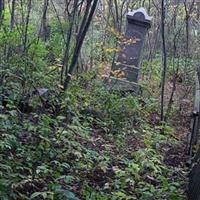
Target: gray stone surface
{"x": 129, "y": 57}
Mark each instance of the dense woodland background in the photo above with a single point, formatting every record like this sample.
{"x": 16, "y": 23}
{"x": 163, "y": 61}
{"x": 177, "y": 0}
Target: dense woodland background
{"x": 63, "y": 133}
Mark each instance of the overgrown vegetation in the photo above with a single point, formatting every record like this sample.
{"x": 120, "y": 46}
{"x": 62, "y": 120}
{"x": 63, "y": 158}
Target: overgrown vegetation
{"x": 103, "y": 148}
{"x": 83, "y": 140}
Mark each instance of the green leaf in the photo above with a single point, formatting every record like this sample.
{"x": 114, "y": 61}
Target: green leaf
{"x": 43, "y": 194}
{"x": 70, "y": 195}
{"x": 36, "y": 194}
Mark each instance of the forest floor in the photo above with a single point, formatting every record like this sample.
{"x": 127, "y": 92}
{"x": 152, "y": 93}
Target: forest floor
{"x": 101, "y": 146}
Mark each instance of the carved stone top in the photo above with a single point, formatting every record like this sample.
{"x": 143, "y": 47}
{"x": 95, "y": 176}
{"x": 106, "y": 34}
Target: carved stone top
{"x": 138, "y": 12}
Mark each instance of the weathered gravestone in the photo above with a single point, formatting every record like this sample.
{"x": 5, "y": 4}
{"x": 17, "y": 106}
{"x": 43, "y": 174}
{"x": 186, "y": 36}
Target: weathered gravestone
{"x": 195, "y": 122}
{"x": 194, "y": 175}
{"x": 128, "y": 61}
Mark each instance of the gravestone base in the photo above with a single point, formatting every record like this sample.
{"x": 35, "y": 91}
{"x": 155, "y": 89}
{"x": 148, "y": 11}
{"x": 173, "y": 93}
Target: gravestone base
{"x": 123, "y": 84}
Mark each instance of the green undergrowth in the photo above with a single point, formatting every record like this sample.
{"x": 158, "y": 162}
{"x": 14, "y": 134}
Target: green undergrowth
{"x": 87, "y": 143}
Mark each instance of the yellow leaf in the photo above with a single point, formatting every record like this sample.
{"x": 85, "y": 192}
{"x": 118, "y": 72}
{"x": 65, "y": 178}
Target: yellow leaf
{"x": 118, "y": 74}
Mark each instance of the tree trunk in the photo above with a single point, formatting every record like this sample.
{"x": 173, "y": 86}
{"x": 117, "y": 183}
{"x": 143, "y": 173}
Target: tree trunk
{"x": 1, "y": 11}
{"x": 81, "y": 36}
{"x": 45, "y": 31}
{"x": 164, "y": 58}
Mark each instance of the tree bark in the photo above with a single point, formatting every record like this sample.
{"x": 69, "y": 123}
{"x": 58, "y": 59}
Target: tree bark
{"x": 12, "y": 20}
{"x": 44, "y": 33}
{"x": 1, "y": 11}
{"x": 164, "y": 58}
{"x": 81, "y": 36}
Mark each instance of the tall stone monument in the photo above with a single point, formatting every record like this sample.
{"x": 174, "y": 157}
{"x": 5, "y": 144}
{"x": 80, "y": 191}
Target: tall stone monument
{"x": 125, "y": 71}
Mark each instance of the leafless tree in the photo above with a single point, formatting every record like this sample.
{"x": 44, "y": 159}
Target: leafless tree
{"x": 45, "y": 29}
{"x": 83, "y": 28}
{"x": 164, "y": 58}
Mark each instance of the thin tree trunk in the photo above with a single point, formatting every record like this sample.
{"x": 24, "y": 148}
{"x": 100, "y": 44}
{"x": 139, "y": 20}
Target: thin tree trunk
{"x": 68, "y": 42}
{"x": 188, "y": 12}
{"x": 25, "y": 34}
{"x": 80, "y": 39}
{"x": 12, "y": 20}
{"x": 164, "y": 58}
{"x": 44, "y": 32}
{"x": 1, "y": 11}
